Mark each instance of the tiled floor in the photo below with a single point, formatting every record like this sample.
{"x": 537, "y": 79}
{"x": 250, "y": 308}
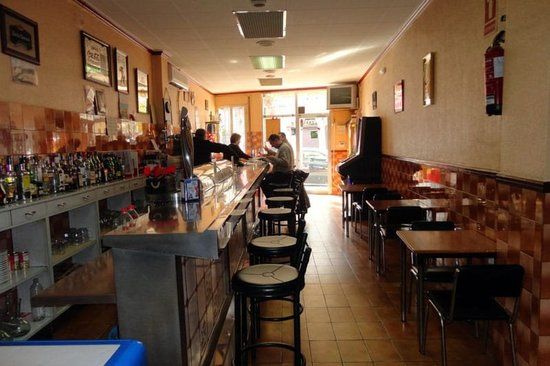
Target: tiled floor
{"x": 351, "y": 315}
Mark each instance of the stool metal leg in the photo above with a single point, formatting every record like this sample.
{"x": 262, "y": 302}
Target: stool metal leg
{"x": 297, "y": 337}
{"x": 238, "y": 335}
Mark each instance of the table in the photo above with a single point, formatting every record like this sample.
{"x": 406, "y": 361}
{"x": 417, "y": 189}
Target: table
{"x": 348, "y": 190}
{"x": 437, "y": 244}
{"x": 377, "y": 208}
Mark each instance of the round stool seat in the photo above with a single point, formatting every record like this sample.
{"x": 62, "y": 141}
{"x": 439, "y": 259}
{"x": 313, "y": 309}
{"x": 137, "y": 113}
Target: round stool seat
{"x": 274, "y": 241}
{"x": 280, "y": 199}
{"x": 271, "y": 246}
{"x": 284, "y": 190}
{"x": 267, "y": 280}
{"x": 274, "y": 213}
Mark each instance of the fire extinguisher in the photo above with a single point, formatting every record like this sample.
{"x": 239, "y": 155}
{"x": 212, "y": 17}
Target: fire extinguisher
{"x": 494, "y": 76}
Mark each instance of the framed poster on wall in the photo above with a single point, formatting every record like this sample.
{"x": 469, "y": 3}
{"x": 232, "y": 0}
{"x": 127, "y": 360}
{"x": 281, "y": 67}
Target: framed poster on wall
{"x": 19, "y": 36}
{"x": 142, "y": 91}
{"x": 96, "y": 59}
{"x": 399, "y": 96}
{"x": 428, "y": 79}
{"x": 121, "y": 71}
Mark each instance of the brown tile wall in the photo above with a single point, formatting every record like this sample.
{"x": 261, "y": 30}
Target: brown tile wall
{"x": 517, "y": 216}
{"x": 27, "y": 129}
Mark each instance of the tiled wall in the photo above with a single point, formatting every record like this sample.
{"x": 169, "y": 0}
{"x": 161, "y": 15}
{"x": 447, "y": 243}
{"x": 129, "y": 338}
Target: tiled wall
{"x": 27, "y": 129}
{"x": 514, "y": 213}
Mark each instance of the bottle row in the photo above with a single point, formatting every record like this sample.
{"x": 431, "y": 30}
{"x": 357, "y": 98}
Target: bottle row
{"x": 26, "y": 178}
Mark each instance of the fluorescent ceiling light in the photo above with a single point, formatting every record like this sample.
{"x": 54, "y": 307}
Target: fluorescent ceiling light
{"x": 268, "y": 62}
{"x": 261, "y": 24}
{"x": 270, "y": 82}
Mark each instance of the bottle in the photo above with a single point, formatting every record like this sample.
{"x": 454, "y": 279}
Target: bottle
{"x": 25, "y": 179}
{"x": 38, "y": 312}
{"x": 2, "y": 186}
{"x": 31, "y": 168}
{"x": 11, "y": 182}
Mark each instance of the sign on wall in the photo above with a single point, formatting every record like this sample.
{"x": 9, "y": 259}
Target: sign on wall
{"x": 490, "y": 17}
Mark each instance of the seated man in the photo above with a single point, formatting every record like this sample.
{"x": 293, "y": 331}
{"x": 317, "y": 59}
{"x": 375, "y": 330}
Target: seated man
{"x": 203, "y": 149}
{"x": 283, "y": 163}
{"x": 235, "y": 140}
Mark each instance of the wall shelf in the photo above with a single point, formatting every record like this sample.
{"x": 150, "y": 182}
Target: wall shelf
{"x": 38, "y": 326}
{"x": 20, "y": 276}
{"x": 71, "y": 251}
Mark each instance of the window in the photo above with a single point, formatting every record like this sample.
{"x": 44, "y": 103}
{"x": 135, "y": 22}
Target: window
{"x": 233, "y": 120}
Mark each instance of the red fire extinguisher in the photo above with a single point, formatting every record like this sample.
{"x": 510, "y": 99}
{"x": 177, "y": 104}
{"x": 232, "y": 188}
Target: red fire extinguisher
{"x": 494, "y": 76}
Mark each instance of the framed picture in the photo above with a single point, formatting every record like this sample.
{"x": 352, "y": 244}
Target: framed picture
{"x": 428, "y": 79}
{"x": 142, "y": 88}
{"x": 121, "y": 71}
{"x": 96, "y": 59}
{"x": 19, "y": 36}
{"x": 206, "y": 104}
{"x": 399, "y": 96}
{"x": 123, "y": 106}
{"x": 374, "y": 100}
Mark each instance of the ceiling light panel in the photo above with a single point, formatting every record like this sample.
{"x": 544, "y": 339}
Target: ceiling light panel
{"x": 268, "y": 62}
{"x": 271, "y": 82}
{"x": 262, "y": 24}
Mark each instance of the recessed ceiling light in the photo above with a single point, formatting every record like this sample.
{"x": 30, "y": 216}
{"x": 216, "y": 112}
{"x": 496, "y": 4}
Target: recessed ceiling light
{"x": 270, "y": 76}
{"x": 269, "y": 71}
{"x": 265, "y": 43}
{"x": 271, "y": 82}
{"x": 261, "y": 24}
{"x": 233, "y": 61}
{"x": 268, "y": 62}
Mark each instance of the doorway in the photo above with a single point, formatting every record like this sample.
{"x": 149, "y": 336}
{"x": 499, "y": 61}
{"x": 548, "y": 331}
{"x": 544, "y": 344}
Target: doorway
{"x": 303, "y": 117}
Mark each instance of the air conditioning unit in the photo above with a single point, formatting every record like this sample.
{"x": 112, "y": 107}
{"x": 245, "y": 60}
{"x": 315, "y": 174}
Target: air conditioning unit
{"x": 177, "y": 78}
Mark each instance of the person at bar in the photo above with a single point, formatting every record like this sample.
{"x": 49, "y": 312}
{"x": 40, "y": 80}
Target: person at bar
{"x": 204, "y": 148}
{"x": 282, "y": 162}
{"x": 285, "y": 141}
{"x": 235, "y": 140}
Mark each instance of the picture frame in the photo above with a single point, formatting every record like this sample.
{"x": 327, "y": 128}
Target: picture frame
{"x": 428, "y": 79}
{"x": 399, "y": 96}
{"x": 96, "y": 59}
{"x": 121, "y": 71}
{"x": 19, "y": 36}
{"x": 374, "y": 100}
{"x": 142, "y": 91}
{"x": 206, "y": 104}
{"x": 90, "y": 100}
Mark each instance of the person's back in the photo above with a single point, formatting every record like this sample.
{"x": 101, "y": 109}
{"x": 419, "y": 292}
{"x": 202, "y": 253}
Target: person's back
{"x": 285, "y": 159}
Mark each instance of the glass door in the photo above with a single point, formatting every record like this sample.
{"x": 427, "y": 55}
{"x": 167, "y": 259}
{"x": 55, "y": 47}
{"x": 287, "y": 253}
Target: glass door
{"x": 314, "y": 150}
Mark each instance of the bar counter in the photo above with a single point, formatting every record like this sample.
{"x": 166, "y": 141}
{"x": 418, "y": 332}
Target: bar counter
{"x": 172, "y": 268}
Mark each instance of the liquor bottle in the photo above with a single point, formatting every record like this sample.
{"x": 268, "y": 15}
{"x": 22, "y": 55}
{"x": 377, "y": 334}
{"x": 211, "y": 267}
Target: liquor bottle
{"x": 59, "y": 175}
{"x": 2, "y": 186}
{"x": 10, "y": 181}
{"x": 92, "y": 169}
{"x": 24, "y": 179}
{"x": 38, "y": 312}
{"x": 32, "y": 168}
{"x": 48, "y": 185}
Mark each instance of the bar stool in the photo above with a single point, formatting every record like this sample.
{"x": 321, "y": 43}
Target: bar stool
{"x": 271, "y": 218}
{"x": 262, "y": 282}
{"x": 284, "y": 192}
{"x": 264, "y": 249}
{"x": 281, "y": 201}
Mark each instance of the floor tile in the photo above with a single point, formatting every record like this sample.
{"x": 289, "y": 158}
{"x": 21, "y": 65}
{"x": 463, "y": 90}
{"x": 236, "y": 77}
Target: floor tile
{"x": 341, "y": 315}
{"x": 353, "y": 351}
{"x": 324, "y": 351}
{"x": 320, "y": 331}
{"x": 346, "y": 331}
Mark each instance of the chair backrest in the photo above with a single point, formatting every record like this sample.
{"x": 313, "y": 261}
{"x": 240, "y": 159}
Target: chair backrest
{"x": 479, "y": 282}
{"x": 432, "y": 225}
{"x": 387, "y": 196}
{"x": 369, "y": 193}
{"x": 303, "y": 261}
{"x": 301, "y": 228}
{"x": 404, "y": 215}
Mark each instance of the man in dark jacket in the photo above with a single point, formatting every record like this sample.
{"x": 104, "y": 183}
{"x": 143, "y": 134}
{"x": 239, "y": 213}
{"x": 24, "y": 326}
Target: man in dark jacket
{"x": 235, "y": 140}
{"x": 204, "y": 148}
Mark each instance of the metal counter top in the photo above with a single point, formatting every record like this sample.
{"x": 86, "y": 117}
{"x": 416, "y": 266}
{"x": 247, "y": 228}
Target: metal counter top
{"x": 196, "y": 229}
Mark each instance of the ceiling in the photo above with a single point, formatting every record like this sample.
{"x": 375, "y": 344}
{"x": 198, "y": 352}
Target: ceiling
{"x": 327, "y": 41}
